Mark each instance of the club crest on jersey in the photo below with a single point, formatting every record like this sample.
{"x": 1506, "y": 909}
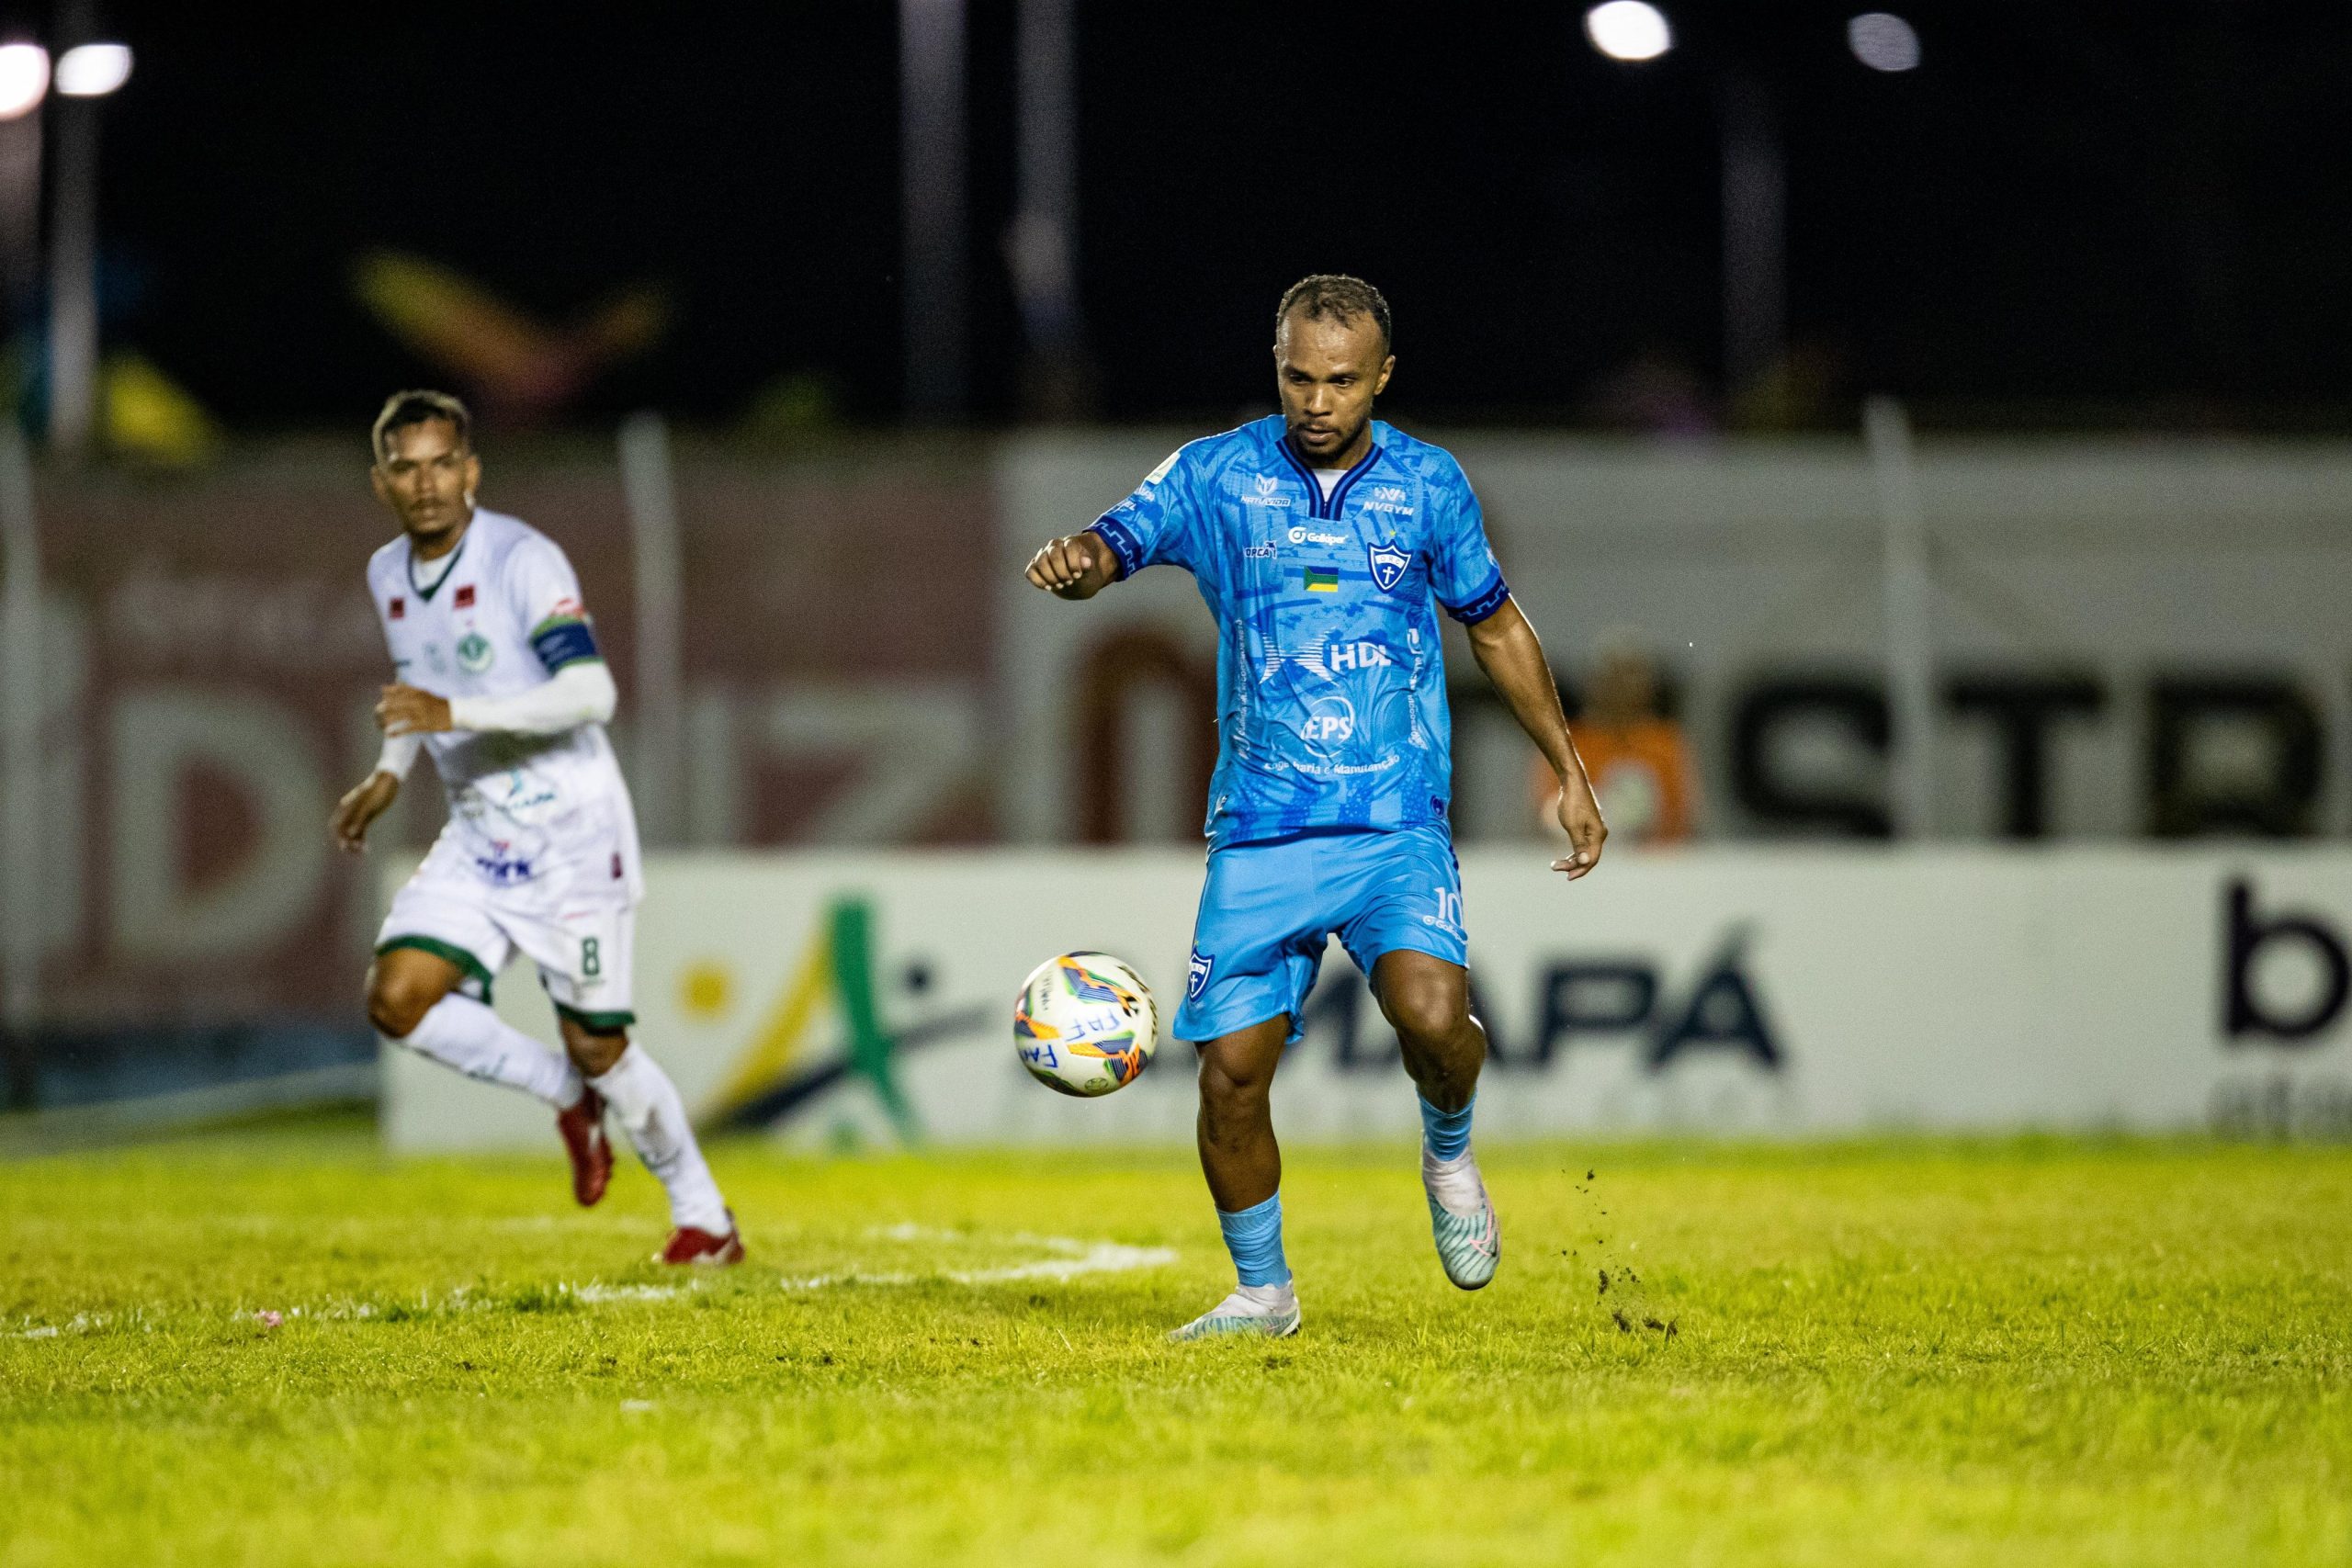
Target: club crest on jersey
{"x": 1196, "y": 977}
{"x": 474, "y": 653}
{"x": 1388, "y": 564}
{"x": 465, "y": 599}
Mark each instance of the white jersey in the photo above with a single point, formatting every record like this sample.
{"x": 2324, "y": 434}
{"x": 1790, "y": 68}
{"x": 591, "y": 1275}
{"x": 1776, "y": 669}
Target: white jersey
{"x": 551, "y": 810}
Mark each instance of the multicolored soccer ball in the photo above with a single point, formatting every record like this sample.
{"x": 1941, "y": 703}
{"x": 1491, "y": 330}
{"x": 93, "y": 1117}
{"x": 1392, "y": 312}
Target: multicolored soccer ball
{"x": 1085, "y": 1024}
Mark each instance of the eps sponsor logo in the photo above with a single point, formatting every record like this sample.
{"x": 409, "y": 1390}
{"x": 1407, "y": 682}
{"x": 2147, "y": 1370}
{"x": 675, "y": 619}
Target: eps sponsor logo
{"x": 1329, "y": 722}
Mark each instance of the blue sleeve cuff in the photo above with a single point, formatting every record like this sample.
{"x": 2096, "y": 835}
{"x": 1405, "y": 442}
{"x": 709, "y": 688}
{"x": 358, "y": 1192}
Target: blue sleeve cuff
{"x": 559, "y": 643}
{"x": 1123, "y": 542}
{"x": 1477, "y": 608}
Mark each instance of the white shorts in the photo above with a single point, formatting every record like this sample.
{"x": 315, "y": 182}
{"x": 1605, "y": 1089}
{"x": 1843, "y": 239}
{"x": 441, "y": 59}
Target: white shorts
{"x": 578, "y": 931}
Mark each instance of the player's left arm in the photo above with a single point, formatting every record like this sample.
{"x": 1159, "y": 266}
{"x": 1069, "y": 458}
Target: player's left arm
{"x": 1468, "y": 582}
{"x": 544, "y": 594}
{"x": 578, "y": 694}
{"x": 1512, "y": 655}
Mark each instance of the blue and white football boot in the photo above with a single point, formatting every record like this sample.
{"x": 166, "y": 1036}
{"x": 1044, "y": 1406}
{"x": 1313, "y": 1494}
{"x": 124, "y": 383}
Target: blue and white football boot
{"x": 1271, "y": 1311}
{"x": 1462, "y": 1219}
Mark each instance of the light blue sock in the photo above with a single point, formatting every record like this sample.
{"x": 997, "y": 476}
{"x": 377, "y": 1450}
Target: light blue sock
{"x": 1448, "y": 1132}
{"x": 1254, "y": 1237}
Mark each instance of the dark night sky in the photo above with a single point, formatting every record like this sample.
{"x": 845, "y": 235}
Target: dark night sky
{"x": 2068, "y": 206}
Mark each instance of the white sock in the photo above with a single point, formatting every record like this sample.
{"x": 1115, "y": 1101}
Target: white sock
{"x": 1455, "y": 1183}
{"x": 459, "y": 1032}
{"x": 1270, "y": 1299}
{"x": 650, "y": 1112}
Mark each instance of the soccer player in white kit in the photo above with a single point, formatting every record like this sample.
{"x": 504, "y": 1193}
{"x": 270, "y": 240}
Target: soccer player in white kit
{"x": 498, "y": 676}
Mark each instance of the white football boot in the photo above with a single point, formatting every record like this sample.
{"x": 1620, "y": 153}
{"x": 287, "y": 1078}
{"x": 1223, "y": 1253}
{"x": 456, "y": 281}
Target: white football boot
{"x": 1462, "y": 1219}
{"x": 1268, "y": 1310}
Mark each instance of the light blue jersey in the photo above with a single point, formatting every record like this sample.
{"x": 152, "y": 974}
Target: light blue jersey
{"x": 1331, "y": 709}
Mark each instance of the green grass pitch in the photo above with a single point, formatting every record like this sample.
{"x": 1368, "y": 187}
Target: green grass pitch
{"x": 2107, "y": 1352}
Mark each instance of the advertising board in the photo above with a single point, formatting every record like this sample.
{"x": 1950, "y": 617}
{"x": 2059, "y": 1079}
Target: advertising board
{"x": 850, "y": 1000}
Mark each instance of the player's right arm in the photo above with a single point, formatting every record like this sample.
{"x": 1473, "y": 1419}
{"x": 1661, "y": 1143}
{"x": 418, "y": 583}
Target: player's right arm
{"x": 359, "y": 808}
{"x": 1153, "y": 524}
{"x": 1077, "y": 566}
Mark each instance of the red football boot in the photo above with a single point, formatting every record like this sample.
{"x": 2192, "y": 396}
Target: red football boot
{"x": 689, "y": 1246}
{"x": 582, "y": 1127}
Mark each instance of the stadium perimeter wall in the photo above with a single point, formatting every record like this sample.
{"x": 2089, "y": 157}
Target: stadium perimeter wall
{"x": 851, "y": 1000}
{"x": 2150, "y": 632}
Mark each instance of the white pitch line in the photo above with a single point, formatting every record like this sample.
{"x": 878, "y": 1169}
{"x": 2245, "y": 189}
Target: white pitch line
{"x": 1074, "y": 1259}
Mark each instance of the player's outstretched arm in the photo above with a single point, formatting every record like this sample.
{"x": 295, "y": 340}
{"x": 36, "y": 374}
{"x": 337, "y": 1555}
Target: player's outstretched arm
{"x": 1512, "y": 655}
{"x": 1077, "y": 566}
{"x": 358, "y": 811}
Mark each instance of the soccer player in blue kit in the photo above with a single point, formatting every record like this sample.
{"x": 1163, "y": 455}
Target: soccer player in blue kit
{"x": 1320, "y": 539}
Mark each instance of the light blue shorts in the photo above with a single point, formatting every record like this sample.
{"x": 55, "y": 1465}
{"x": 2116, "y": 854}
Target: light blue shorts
{"x": 1268, "y": 910}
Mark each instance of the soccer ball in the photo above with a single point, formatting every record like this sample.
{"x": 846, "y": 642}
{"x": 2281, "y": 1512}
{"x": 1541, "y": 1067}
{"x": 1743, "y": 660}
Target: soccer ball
{"x": 1085, "y": 1024}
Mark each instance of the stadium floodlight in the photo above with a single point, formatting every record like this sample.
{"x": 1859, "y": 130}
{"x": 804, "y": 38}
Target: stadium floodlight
{"x": 93, "y": 70}
{"x": 24, "y": 78}
{"x": 1883, "y": 41}
{"x": 1628, "y": 30}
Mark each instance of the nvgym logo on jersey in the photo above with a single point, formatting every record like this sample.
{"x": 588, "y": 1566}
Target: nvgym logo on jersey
{"x": 1388, "y": 564}
{"x": 474, "y": 653}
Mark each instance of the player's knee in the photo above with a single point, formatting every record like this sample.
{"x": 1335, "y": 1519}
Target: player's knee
{"x": 593, "y": 1053}
{"x": 1229, "y": 1086}
{"x": 397, "y": 1003}
{"x": 1426, "y": 1013}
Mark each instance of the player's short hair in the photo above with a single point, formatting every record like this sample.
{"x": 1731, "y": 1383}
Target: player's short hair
{"x": 421, "y": 407}
{"x": 1335, "y": 297}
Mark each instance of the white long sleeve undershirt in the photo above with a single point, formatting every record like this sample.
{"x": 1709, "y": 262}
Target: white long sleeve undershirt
{"x": 400, "y": 754}
{"x": 575, "y": 695}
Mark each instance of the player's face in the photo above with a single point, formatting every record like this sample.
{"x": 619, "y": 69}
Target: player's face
{"x": 427, "y": 477}
{"x": 1328, "y": 372}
